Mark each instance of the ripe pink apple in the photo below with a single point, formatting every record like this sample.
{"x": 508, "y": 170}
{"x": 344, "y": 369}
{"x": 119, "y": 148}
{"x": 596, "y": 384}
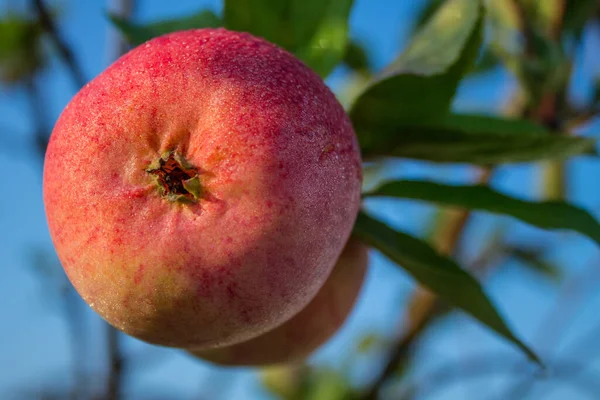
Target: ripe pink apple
{"x": 199, "y": 191}
{"x": 311, "y": 327}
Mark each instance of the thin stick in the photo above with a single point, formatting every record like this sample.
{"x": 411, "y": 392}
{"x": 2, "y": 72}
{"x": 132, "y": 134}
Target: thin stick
{"x": 117, "y": 362}
{"x": 47, "y": 23}
{"x": 551, "y": 330}
{"x": 479, "y": 366}
{"x": 548, "y": 113}
{"x": 116, "y": 366}
{"x": 41, "y": 132}
{"x": 424, "y": 305}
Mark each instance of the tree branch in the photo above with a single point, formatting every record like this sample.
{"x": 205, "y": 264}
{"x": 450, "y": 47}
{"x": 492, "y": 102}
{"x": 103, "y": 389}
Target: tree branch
{"x": 424, "y": 306}
{"x": 117, "y": 363}
{"x": 548, "y": 113}
{"x": 552, "y": 328}
{"x": 116, "y": 45}
{"x": 41, "y": 133}
{"x": 558, "y": 20}
{"x": 479, "y": 366}
{"x": 524, "y": 26}
{"x": 47, "y": 23}
{"x": 114, "y": 382}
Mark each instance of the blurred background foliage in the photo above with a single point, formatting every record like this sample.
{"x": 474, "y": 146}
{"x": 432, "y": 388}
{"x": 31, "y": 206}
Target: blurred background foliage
{"x": 478, "y": 132}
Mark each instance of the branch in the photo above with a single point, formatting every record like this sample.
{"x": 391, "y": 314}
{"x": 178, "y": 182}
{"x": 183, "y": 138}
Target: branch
{"x": 566, "y": 306}
{"x": 114, "y": 382}
{"x": 41, "y": 133}
{"x": 47, "y": 23}
{"x": 479, "y": 366}
{"x": 424, "y": 306}
{"x": 117, "y": 363}
{"x": 524, "y": 26}
{"x": 116, "y": 44}
{"x": 78, "y": 340}
{"x": 584, "y": 117}
{"x": 587, "y": 341}
{"x": 546, "y": 111}
{"x": 551, "y": 330}
{"x": 400, "y": 350}
{"x": 558, "y": 20}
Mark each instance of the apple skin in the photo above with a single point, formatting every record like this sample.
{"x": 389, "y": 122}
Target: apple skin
{"x": 280, "y": 173}
{"x": 297, "y": 338}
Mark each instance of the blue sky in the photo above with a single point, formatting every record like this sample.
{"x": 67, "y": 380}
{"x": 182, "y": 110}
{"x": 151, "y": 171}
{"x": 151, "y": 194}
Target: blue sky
{"x": 34, "y": 341}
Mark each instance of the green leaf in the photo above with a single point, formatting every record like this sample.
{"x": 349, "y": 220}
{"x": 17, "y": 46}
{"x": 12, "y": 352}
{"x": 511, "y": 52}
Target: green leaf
{"x": 356, "y": 58}
{"x": 328, "y": 384}
{"x": 283, "y": 381}
{"x": 486, "y": 62}
{"x": 472, "y": 139}
{"x": 21, "y": 54}
{"x": 533, "y": 260}
{"x": 327, "y": 45}
{"x": 268, "y": 19}
{"x": 369, "y": 342}
{"x": 315, "y": 30}
{"x": 439, "y": 273}
{"x": 421, "y": 83}
{"x": 137, "y": 34}
{"x": 478, "y": 124}
{"x": 425, "y": 14}
{"x": 577, "y": 13}
{"x": 546, "y": 214}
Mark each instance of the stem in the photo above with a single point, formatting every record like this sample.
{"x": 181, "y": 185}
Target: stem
{"x": 41, "y": 136}
{"x": 524, "y": 26}
{"x": 552, "y": 329}
{"x": 117, "y": 364}
{"x": 76, "y": 324}
{"x": 424, "y": 305}
{"x": 114, "y": 382}
{"x": 117, "y": 46}
{"x": 554, "y": 179}
{"x": 548, "y": 113}
{"x": 479, "y": 366}
{"x": 64, "y": 50}
{"x": 41, "y": 131}
{"x": 557, "y": 22}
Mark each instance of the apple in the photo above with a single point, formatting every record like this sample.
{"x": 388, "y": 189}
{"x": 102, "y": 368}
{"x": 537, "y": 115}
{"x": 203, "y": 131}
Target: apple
{"x": 297, "y": 338}
{"x": 199, "y": 191}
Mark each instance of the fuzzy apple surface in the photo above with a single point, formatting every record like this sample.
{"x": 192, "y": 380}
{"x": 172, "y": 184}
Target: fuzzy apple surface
{"x": 199, "y": 191}
{"x": 297, "y": 338}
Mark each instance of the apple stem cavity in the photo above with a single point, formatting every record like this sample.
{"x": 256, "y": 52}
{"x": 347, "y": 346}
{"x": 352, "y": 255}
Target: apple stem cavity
{"x": 175, "y": 177}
